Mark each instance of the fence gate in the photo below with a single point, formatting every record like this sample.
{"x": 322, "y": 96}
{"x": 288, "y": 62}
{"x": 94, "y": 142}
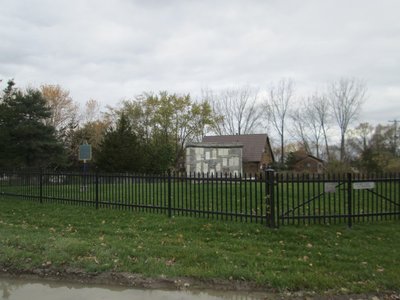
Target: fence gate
{"x": 329, "y": 199}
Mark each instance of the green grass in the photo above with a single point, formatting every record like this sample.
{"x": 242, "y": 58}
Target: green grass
{"x": 318, "y": 258}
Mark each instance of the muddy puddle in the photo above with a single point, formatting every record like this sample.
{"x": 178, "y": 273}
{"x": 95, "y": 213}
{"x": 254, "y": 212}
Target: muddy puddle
{"x": 21, "y": 289}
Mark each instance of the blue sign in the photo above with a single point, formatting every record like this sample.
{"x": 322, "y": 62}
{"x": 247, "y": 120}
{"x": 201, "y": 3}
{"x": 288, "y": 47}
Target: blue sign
{"x": 85, "y": 152}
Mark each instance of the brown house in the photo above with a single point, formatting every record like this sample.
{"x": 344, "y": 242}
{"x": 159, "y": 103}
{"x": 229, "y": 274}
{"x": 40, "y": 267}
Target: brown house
{"x": 307, "y": 163}
{"x": 256, "y": 149}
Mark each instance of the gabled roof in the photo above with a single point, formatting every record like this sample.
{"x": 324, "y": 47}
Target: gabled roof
{"x": 301, "y": 155}
{"x": 253, "y": 144}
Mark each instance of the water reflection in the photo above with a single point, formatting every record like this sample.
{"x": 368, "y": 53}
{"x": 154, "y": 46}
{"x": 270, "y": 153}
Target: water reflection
{"x": 18, "y": 289}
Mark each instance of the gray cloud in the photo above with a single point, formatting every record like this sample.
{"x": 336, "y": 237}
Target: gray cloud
{"x": 110, "y": 50}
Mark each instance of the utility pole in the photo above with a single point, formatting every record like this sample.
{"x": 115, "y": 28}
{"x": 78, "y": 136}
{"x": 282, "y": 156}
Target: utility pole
{"x": 395, "y": 136}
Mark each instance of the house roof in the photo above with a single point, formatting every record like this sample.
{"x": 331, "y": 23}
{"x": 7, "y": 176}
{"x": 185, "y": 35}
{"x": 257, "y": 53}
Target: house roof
{"x": 301, "y": 155}
{"x": 214, "y": 145}
{"x": 253, "y": 144}
{"x": 310, "y": 157}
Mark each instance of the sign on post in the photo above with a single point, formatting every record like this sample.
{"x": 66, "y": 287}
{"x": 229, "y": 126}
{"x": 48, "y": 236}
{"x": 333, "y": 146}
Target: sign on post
{"x": 85, "y": 152}
{"x": 364, "y": 185}
{"x": 330, "y": 187}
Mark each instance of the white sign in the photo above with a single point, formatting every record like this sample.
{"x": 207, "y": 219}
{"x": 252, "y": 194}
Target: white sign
{"x": 330, "y": 187}
{"x": 364, "y": 185}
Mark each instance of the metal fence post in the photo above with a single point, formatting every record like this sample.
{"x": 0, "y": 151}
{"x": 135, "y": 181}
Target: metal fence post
{"x": 97, "y": 189}
{"x": 169, "y": 194}
{"x": 270, "y": 198}
{"x": 349, "y": 200}
{"x": 41, "y": 185}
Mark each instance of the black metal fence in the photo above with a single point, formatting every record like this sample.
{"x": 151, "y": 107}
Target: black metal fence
{"x": 270, "y": 198}
{"x": 329, "y": 199}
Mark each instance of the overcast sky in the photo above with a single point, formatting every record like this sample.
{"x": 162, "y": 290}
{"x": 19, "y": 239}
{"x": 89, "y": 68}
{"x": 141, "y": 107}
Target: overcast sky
{"x": 110, "y": 50}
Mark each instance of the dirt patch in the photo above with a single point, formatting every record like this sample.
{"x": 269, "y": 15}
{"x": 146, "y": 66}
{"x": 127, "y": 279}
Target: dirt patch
{"x": 138, "y": 281}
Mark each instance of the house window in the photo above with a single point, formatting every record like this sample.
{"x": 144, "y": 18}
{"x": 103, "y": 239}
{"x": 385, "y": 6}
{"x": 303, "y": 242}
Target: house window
{"x": 224, "y": 162}
{"x": 222, "y": 152}
{"x": 207, "y": 155}
{"x": 214, "y": 154}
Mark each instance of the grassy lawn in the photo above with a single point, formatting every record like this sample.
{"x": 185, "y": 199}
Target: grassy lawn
{"x": 363, "y": 259}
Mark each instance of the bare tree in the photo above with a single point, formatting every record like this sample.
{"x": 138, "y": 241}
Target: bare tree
{"x": 310, "y": 121}
{"x": 318, "y": 118}
{"x": 300, "y": 127}
{"x": 321, "y": 110}
{"x": 359, "y": 139}
{"x": 346, "y": 97}
{"x": 92, "y": 111}
{"x": 64, "y": 112}
{"x": 277, "y": 107}
{"x": 240, "y": 110}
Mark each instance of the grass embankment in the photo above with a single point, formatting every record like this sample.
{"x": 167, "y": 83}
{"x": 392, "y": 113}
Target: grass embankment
{"x": 363, "y": 259}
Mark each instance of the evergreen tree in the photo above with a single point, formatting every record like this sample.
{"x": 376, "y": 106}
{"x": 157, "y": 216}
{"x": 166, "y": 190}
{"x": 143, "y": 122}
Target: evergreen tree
{"x": 120, "y": 150}
{"x": 26, "y": 140}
